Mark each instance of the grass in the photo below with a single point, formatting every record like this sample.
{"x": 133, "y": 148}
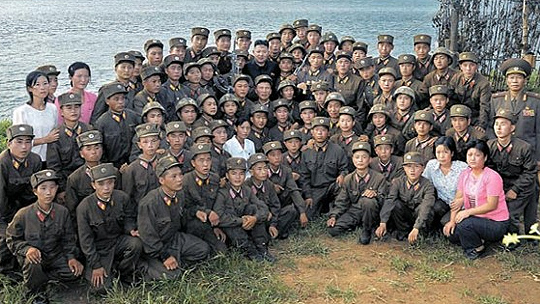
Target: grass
{"x": 491, "y": 300}
{"x": 4, "y": 124}
{"x": 334, "y": 293}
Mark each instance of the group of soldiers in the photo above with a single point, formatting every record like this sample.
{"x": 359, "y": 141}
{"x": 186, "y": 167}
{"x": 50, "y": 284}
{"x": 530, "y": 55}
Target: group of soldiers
{"x": 149, "y": 185}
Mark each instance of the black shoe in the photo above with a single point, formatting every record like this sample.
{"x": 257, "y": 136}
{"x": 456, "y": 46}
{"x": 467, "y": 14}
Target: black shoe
{"x": 473, "y": 254}
{"x": 365, "y": 237}
{"x": 401, "y": 235}
{"x": 267, "y": 256}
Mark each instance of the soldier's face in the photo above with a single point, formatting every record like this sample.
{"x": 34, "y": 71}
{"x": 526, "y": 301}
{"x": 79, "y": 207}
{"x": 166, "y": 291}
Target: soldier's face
{"x": 149, "y": 145}
{"x": 172, "y": 180}
{"x": 333, "y": 108}
{"x": 263, "y": 90}
{"x": 384, "y": 49}
{"x": 287, "y": 92}
{"x": 460, "y": 124}
{"x": 413, "y": 171}
{"x": 236, "y": 177}
{"x": 307, "y": 116}
{"x": 386, "y": 82}
{"x": 207, "y": 72}
{"x": 503, "y": 128}
{"x": 347, "y": 46}
{"x": 259, "y": 120}
{"x": 230, "y": 108}
{"x": 174, "y": 71}
{"x": 281, "y": 114}
{"x": 403, "y": 102}
{"x": 301, "y": 32}
{"x": 71, "y": 112}
{"x": 379, "y": 120}
{"x": 116, "y": 102}
{"x": 155, "y": 116}
{"x": 443, "y": 154}
{"x": 346, "y": 122}
{"x": 274, "y": 157}
{"x": 329, "y": 47}
{"x": 223, "y": 44}
{"x": 274, "y": 46}
{"x": 243, "y": 43}
{"x": 361, "y": 159}
{"x": 104, "y": 188}
{"x": 384, "y": 152}
{"x": 259, "y": 171}
{"x": 20, "y": 146}
{"x": 176, "y": 140}
{"x": 320, "y": 96}
{"x": 203, "y": 140}
{"x": 194, "y": 75}
{"x": 202, "y": 163}
{"x": 343, "y": 66}
{"x": 285, "y": 65}
{"x": 441, "y": 61}
{"x": 220, "y": 135}
{"x": 515, "y": 82}
{"x": 422, "y": 127}
{"x": 124, "y": 70}
{"x": 293, "y": 145}
{"x": 438, "y": 102}
{"x": 406, "y": 69}
{"x": 298, "y": 55}
{"x": 137, "y": 68}
{"x": 198, "y": 42}
{"x": 241, "y": 88}
{"x": 92, "y": 153}
{"x": 152, "y": 84}
{"x": 421, "y": 50}
{"x": 188, "y": 114}
{"x": 209, "y": 106}
{"x": 357, "y": 55}
{"x": 319, "y": 134}
{"x": 46, "y": 192}
{"x": 154, "y": 56}
{"x": 214, "y": 59}
{"x": 179, "y": 51}
{"x": 315, "y": 60}
{"x": 367, "y": 72}
{"x": 468, "y": 68}
{"x": 313, "y": 38}
{"x": 287, "y": 36}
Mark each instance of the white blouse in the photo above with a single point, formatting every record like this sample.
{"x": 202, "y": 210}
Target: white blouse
{"x": 235, "y": 149}
{"x": 43, "y": 121}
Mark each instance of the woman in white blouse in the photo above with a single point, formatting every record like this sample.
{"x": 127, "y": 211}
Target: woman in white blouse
{"x": 239, "y": 145}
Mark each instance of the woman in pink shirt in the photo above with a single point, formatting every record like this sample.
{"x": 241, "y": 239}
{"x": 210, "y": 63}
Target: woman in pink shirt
{"x": 479, "y": 211}
{"x": 79, "y": 76}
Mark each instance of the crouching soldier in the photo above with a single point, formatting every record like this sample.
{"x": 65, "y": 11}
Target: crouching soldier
{"x": 107, "y": 231}
{"x": 161, "y": 225}
{"x": 360, "y": 198}
{"x": 43, "y": 240}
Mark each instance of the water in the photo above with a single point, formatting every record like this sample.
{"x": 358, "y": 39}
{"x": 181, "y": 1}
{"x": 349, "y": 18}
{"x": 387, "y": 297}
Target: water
{"x": 61, "y": 32}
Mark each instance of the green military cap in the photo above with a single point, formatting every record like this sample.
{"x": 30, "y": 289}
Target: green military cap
{"x": 316, "y": 50}
{"x": 88, "y": 138}
{"x": 346, "y": 110}
{"x": 320, "y": 121}
{"x": 329, "y": 36}
{"x": 278, "y": 103}
{"x": 170, "y": 59}
{"x": 48, "y": 70}
{"x": 242, "y": 53}
{"x": 314, "y": 28}
{"x": 43, "y": 176}
{"x": 516, "y": 66}
{"x": 460, "y": 110}
{"x": 228, "y": 97}
{"x": 204, "y": 61}
{"x": 175, "y": 126}
{"x": 359, "y": 45}
{"x": 256, "y": 158}
{"x": 423, "y": 115}
{"x": 413, "y": 158}
{"x": 123, "y": 57}
{"x": 113, "y": 88}
{"x": 147, "y": 129}
{"x": 273, "y": 35}
{"x": 385, "y": 38}
{"x": 203, "y": 97}
{"x": 177, "y": 42}
{"x": 468, "y": 56}
{"x": 235, "y": 163}
{"x": 152, "y": 43}
{"x": 334, "y": 96}
{"x": 286, "y": 83}
{"x": 239, "y": 77}
{"x": 150, "y": 71}
{"x": 166, "y": 163}
{"x": 406, "y": 58}
{"x": 443, "y": 51}
{"x": 271, "y": 146}
{"x": 297, "y": 46}
{"x": 307, "y": 104}
{"x": 422, "y": 38}
{"x": 263, "y": 78}
{"x": 387, "y": 71}
{"x": 378, "y": 108}
{"x": 285, "y": 55}
{"x": 366, "y": 63}
{"x": 386, "y": 139}
{"x": 186, "y": 101}
{"x": 190, "y": 65}
{"x": 200, "y": 31}
{"x": 19, "y": 130}
{"x": 218, "y": 123}
{"x": 505, "y": 113}
{"x": 222, "y": 33}
{"x": 438, "y": 90}
{"x": 300, "y": 23}
{"x": 320, "y": 86}
{"x": 346, "y": 39}
{"x": 197, "y": 149}
{"x": 405, "y": 91}
{"x": 137, "y": 55}
{"x": 343, "y": 54}
{"x": 153, "y": 105}
{"x": 69, "y": 99}
{"x": 361, "y": 146}
{"x": 286, "y": 26}
{"x": 258, "y": 108}
{"x": 290, "y": 134}
{"x": 209, "y": 51}
{"x": 243, "y": 34}
{"x": 201, "y": 132}
{"x": 102, "y": 172}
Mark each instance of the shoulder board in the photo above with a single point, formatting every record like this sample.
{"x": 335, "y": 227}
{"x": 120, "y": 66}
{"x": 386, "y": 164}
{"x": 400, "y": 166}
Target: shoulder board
{"x": 498, "y": 94}
{"x": 533, "y": 94}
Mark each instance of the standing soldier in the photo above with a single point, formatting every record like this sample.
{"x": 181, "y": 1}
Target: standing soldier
{"x": 359, "y": 52}
{"x": 154, "y": 53}
{"x": 151, "y": 77}
{"x": 462, "y": 131}
{"x": 346, "y": 44}
{"x": 222, "y": 38}
{"x": 274, "y": 46}
{"x": 301, "y": 26}
{"x": 438, "y": 98}
{"x": 171, "y": 90}
{"x": 199, "y": 39}
{"x": 442, "y": 59}
{"x": 407, "y": 67}
{"x": 385, "y": 45}
{"x": 314, "y": 73}
{"x": 330, "y": 43}
{"x": 178, "y": 46}
{"x": 287, "y": 35}
{"x": 350, "y": 86}
{"x": 424, "y": 65}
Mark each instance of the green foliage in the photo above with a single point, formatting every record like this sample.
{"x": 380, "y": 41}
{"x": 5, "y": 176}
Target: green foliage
{"x": 4, "y": 124}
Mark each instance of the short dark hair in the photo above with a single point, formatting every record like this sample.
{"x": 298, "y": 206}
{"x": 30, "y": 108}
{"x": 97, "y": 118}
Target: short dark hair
{"x": 479, "y": 145}
{"x": 242, "y": 119}
{"x": 448, "y": 142}
{"x": 260, "y": 42}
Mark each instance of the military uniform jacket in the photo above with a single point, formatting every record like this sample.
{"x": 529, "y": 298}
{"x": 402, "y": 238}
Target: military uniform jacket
{"x": 420, "y": 91}
{"x": 136, "y": 151}
{"x": 353, "y": 187}
{"x": 388, "y": 62}
{"x": 193, "y": 91}
{"x": 183, "y": 157}
{"x": 290, "y": 193}
{"x": 138, "y": 179}
{"x": 267, "y": 194}
{"x": 352, "y": 88}
{"x": 423, "y": 148}
{"x": 231, "y": 206}
{"x": 423, "y": 67}
{"x": 433, "y": 78}
{"x": 99, "y": 229}
{"x": 276, "y": 132}
{"x": 329, "y": 64}
{"x": 441, "y": 122}
{"x": 101, "y": 106}
{"x": 475, "y": 93}
{"x": 199, "y": 194}
{"x": 219, "y": 156}
{"x": 191, "y": 56}
{"x": 393, "y": 169}
{"x": 516, "y": 165}
{"x": 405, "y": 123}
{"x": 259, "y": 138}
{"x": 15, "y": 189}
{"x": 292, "y": 162}
{"x": 142, "y": 98}
{"x": 420, "y": 196}
{"x": 399, "y": 140}
{"x": 168, "y": 96}
{"x": 117, "y": 130}
{"x": 52, "y": 234}
{"x": 461, "y": 141}
{"x": 309, "y": 77}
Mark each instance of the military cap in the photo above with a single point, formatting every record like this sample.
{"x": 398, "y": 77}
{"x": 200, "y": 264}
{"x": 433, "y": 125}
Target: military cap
{"x": 423, "y": 115}
{"x": 329, "y": 36}
{"x": 286, "y": 26}
{"x": 505, "y": 113}
{"x": 43, "y": 176}
{"x": 258, "y": 108}
{"x": 334, "y": 96}
{"x": 188, "y": 66}
{"x": 200, "y": 31}
{"x": 405, "y": 91}
{"x": 186, "y": 101}
{"x": 516, "y": 66}
{"x": 166, "y": 163}
{"x": 361, "y": 146}
{"x": 316, "y": 50}
{"x": 175, "y": 126}
{"x": 387, "y": 71}
{"x": 242, "y": 53}
{"x": 147, "y": 129}
{"x": 271, "y": 146}
{"x": 102, "y": 172}
{"x": 314, "y": 28}
{"x": 359, "y": 45}
{"x": 201, "y": 132}
{"x": 241, "y": 77}
{"x": 378, "y": 108}
{"x": 443, "y": 51}
{"x": 320, "y": 86}
{"x": 438, "y": 90}
{"x": 177, "y": 42}
{"x": 366, "y": 63}
{"x": 386, "y": 139}
{"x": 222, "y": 32}
{"x": 197, "y": 149}
{"x": 153, "y": 105}
{"x": 422, "y": 38}
{"x": 19, "y": 130}
{"x": 218, "y": 123}
{"x": 211, "y": 50}
{"x": 413, "y": 158}
{"x": 285, "y": 55}
{"x": 256, "y": 158}
{"x": 290, "y": 134}
{"x": 273, "y": 35}
{"x": 300, "y": 23}
{"x": 170, "y": 59}
{"x": 243, "y": 34}
{"x": 150, "y": 71}
{"x": 468, "y": 56}
{"x": 69, "y": 99}
{"x": 460, "y": 110}
{"x": 343, "y": 54}
{"x": 123, "y": 57}
{"x": 297, "y": 46}
{"x": 152, "y": 43}
{"x": 406, "y": 58}
{"x": 235, "y": 163}
{"x": 137, "y": 55}
{"x": 320, "y": 121}
{"x": 48, "y": 70}
{"x": 113, "y": 88}
{"x": 88, "y": 138}
{"x": 278, "y": 103}
{"x": 307, "y": 104}
{"x": 346, "y": 110}
{"x": 263, "y": 78}
{"x": 286, "y": 83}
{"x": 385, "y": 38}
{"x": 203, "y": 97}
{"x": 229, "y": 97}
{"x": 346, "y": 39}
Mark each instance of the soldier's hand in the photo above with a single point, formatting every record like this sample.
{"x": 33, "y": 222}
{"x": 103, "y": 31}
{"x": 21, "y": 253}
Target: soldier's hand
{"x": 480, "y": 129}
{"x": 273, "y": 232}
{"x": 248, "y": 222}
{"x": 310, "y": 143}
{"x": 413, "y": 236}
{"x": 134, "y": 233}
{"x": 213, "y": 217}
{"x": 340, "y": 179}
{"x": 511, "y": 195}
{"x": 449, "y": 228}
{"x": 33, "y": 255}
{"x": 363, "y": 137}
{"x": 220, "y": 235}
{"x": 381, "y": 230}
{"x": 201, "y": 216}
{"x": 303, "y": 220}
{"x": 331, "y": 222}
{"x": 302, "y": 86}
{"x": 278, "y": 188}
{"x": 76, "y": 267}
{"x": 222, "y": 182}
{"x": 160, "y": 151}
{"x": 98, "y": 277}
{"x": 295, "y": 176}
{"x": 123, "y": 168}
{"x": 61, "y": 198}
{"x": 309, "y": 202}
{"x": 292, "y": 77}
{"x": 269, "y": 216}
{"x": 170, "y": 263}
{"x": 369, "y": 193}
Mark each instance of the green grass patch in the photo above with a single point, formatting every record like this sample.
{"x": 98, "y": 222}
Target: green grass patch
{"x": 400, "y": 265}
{"x": 491, "y": 300}
{"x": 334, "y": 294}
{"x": 4, "y": 125}
{"x": 435, "y": 274}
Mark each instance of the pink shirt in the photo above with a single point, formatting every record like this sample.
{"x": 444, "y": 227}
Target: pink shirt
{"x": 89, "y": 101}
{"x": 488, "y": 184}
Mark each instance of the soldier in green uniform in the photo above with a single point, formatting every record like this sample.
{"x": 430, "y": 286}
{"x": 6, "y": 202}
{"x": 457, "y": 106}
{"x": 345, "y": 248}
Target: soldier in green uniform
{"x": 52, "y": 76}
{"x": 359, "y": 52}
{"x": 402, "y": 118}
{"x": 151, "y": 77}
{"x": 135, "y": 80}
{"x": 259, "y": 132}
{"x": 287, "y": 33}
{"x": 301, "y": 26}
{"x": 314, "y": 73}
{"x": 438, "y": 98}
{"x": 171, "y": 90}
{"x": 423, "y": 142}
{"x": 424, "y": 65}
{"x": 187, "y": 111}
{"x": 199, "y": 39}
{"x": 154, "y": 53}
{"x": 222, "y": 37}
{"x": 178, "y": 46}
{"x": 389, "y": 165}
{"x": 346, "y": 136}
{"x": 346, "y": 44}
{"x": 334, "y": 101}
{"x": 442, "y": 60}
{"x": 293, "y": 158}
{"x": 176, "y": 134}
{"x": 351, "y": 86}
{"x": 274, "y": 46}
{"x": 219, "y": 155}
{"x": 461, "y": 130}
{"x": 380, "y": 124}
{"x": 386, "y": 82}
{"x": 330, "y": 42}
{"x": 407, "y": 66}
{"x": 385, "y": 46}
{"x": 308, "y": 110}
{"x": 243, "y": 40}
